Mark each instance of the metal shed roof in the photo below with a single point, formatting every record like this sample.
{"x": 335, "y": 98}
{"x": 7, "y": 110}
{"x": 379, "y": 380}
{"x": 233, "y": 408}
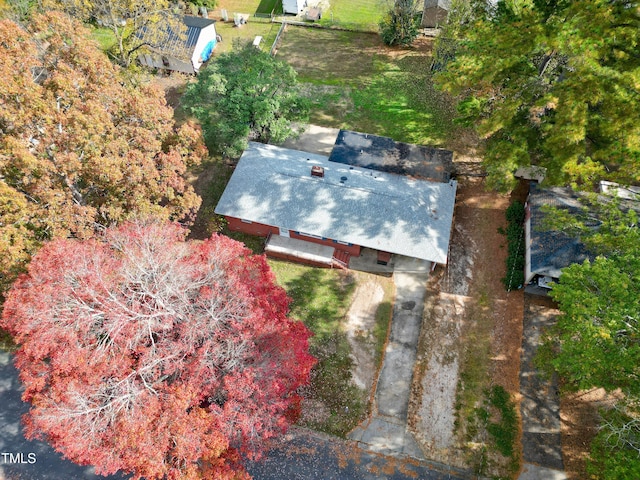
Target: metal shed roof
{"x": 384, "y": 211}
{"x": 178, "y": 45}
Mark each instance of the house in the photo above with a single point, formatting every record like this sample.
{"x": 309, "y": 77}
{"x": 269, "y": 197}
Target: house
{"x": 293, "y": 6}
{"x": 547, "y": 252}
{"x": 183, "y": 53}
{"x": 320, "y": 212}
{"x": 435, "y": 13}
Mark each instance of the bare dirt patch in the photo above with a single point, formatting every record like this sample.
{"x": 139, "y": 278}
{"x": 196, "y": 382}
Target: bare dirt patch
{"x": 471, "y": 333}
{"x": 359, "y": 326}
{"x": 173, "y": 85}
{"x": 579, "y": 423}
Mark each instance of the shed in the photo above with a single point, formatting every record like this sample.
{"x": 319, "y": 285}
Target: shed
{"x": 293, "y": 6}
{"x": 435, "y": 13}
{"x": 183, "y": 53}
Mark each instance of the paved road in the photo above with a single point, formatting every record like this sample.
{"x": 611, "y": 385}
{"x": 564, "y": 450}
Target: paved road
{"x": 305, "y": 455}
{"x": 302, "y": 455}
{"x": 23, "y": 459}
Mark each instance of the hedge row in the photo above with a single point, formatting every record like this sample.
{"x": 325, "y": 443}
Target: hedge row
{"x": 514, "y": 277}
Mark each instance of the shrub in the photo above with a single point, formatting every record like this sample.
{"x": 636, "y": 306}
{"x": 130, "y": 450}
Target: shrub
{"x": 514, "y": 278}
{"x": 400, "y": 24}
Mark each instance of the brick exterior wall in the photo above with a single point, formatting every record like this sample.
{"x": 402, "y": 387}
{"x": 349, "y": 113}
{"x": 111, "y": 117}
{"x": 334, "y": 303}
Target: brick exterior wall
{"x": 262, "y": 230}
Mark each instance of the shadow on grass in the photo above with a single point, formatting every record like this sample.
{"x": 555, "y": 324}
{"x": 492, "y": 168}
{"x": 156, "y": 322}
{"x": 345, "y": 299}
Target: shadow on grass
{"x": 403, "y": 104}
{"x": 6, "y": 342}
{"x": 269, "y": 6}
{"x": 320, "y": 299}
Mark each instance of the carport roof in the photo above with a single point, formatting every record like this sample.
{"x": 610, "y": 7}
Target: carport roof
{"x": 387, "y": 155}
{"x": 384, "y": 211}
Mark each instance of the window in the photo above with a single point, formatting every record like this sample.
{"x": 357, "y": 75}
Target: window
{"x": 245, "y": 221}
{"x": 311, "y": 236}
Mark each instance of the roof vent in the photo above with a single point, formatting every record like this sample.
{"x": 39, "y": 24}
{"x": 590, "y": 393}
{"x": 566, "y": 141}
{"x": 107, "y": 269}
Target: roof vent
{"x": 317, "y": 171}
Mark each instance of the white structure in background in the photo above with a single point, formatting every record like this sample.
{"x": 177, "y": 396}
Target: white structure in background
{"x": 293, "y": 6}
{"x": 183, "y": 53}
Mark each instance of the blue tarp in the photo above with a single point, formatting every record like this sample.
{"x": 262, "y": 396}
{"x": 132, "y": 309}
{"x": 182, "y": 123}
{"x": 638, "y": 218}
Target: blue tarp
{"x": 208, "y": 50}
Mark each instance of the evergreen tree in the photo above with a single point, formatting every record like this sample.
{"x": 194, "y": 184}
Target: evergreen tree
{"x": 552, "y": 83}
{"x": 399, "y": 26}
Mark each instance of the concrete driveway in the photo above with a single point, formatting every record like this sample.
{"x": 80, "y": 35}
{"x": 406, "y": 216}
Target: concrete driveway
{"x": 386, "y": 430}
{"x": 540, "y": 405}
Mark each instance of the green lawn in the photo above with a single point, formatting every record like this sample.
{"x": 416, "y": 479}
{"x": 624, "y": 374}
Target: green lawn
{"x": 104, "y": 36}
{"x": 353, "y": 14}
{"x": 245, "y": 33}
{"x": 362, "y": 15}
{"x": 321, "y": 298}
{"x": 6, "y": 342}
{"x": 380, "y": 90}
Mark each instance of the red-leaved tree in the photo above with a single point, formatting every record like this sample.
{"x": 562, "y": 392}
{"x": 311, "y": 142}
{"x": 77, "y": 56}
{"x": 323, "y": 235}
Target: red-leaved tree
{"x": 146, "y": 353}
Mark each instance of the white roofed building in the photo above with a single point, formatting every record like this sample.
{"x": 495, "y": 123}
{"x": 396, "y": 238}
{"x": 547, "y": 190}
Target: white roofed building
{"x": 299, "y": 198}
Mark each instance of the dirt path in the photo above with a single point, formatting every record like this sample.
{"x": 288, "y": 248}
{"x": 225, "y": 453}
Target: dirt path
{"x": 360, "y": 324}
{"x": 472, "y": 330}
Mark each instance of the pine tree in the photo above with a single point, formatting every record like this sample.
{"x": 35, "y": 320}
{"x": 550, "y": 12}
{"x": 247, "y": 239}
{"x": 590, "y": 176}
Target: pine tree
{"x": 552, "y": 83}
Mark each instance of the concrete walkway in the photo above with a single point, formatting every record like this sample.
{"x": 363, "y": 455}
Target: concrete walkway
{"x": 540, "y": 406}
{"x": 386, "y": 430}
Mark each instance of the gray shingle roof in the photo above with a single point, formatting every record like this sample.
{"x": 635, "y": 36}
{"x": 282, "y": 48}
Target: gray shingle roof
{"x": 387, "y": 155}
{"x": 384, "y": 211}
{"x": 551, "y": 251}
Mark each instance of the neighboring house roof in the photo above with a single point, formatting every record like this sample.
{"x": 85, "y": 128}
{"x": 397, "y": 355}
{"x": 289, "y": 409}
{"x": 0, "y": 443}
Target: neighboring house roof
{"x": 392, "y": 213}
{"x": 623, "y": 192}
{"x": 386, "y": 155}
{"x": 180, "y": 46}
{"x": 550, "y": 251}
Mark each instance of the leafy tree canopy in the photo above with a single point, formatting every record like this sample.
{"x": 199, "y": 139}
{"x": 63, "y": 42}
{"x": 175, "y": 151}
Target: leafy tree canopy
{"x": 596, "y": 340}
{"x": 245, "y": 94}
{"x": 555, "y": 84}
{"x": 134, "y": 24}
{"x": 598, "y": 333}
{"x": 615, "y": 452}
{"x": 145, "y": 353}
{"x": 79, "y": 146}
